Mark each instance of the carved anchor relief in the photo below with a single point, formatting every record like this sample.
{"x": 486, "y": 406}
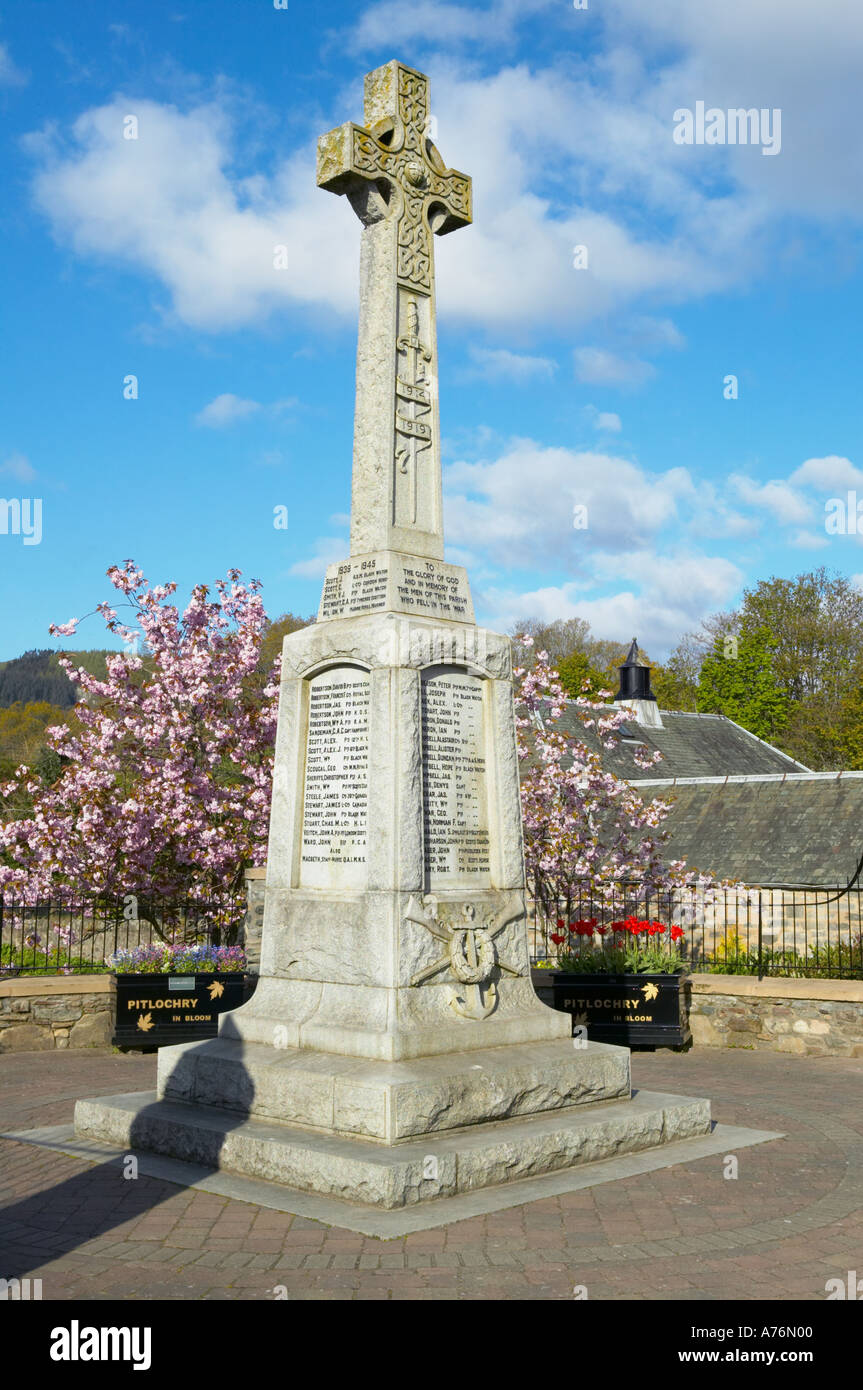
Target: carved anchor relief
{"x": 471, "y": 954}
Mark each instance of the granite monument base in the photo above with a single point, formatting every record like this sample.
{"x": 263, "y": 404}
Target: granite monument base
{"x": 391, "y": 1134}
{"x": 394, "y": 1175}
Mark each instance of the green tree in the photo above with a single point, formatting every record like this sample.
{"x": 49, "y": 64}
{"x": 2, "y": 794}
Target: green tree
{"x": 740, "y": 681}
{"x": 848, "y": 751}
{"x": 575, "y": 669}
{"x": 22, "y": 732}
{"x": 560, "y": 639}
{"x": 277, "y": 631}
{"x": 817, "y": 622}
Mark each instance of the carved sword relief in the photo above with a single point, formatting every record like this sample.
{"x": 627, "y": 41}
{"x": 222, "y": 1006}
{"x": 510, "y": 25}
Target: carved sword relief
{"x": 413, "y": 394}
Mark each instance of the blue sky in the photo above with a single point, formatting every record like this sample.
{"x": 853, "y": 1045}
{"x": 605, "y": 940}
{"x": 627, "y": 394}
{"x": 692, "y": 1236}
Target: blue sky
{"x": 560, "y": 386}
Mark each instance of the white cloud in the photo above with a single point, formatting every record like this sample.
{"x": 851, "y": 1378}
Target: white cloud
{"x": 18, "y": 466}
{"x": 437, "y": 24}
{"x": 561, "y": 156}
{"x": 782, "y": 502}
{"x": 674, "y": 593}
{"x": 602, "y": 368}
{"x": 498, "y": 364}
{"x": 607, "y": 421}
{"x": 328, "y": 550}
{"x": 763, "y": 53}
{"x": 808, "y": 540}
{"x": 174, "y": 204}
{"x": 655, "y": 334}
{"x": 169, "y": 203}
{"x": 829, "y": 473}
{"x": 226, "y": 410}
{"x": 521, "y": 505}
{"x": 10, "y": 75}
{"x": 271, "y": 458}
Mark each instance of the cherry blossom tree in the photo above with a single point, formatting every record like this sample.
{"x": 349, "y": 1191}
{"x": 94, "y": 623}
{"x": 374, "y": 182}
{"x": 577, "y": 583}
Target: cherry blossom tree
{"x": 586, "y": 830}
{"x": 166, "y": 770}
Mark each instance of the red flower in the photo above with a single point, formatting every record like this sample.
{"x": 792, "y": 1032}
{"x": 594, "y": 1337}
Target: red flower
{"x": 557, "y": 938}
{"x": 676, "y": 933}
{"x": 560, "y": 922}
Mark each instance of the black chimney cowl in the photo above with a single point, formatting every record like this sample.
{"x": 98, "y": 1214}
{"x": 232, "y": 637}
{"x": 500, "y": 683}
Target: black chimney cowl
{"x": 634, "y": 678}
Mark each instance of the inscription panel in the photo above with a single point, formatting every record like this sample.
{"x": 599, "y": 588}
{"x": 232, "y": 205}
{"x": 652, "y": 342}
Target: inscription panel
{"x": 335, "y": 798}
{"x": 455, "y": 801}
{"x": 398, "y": 584}
{"x": 432, "y": 590}
{"x": 356, "y": 586}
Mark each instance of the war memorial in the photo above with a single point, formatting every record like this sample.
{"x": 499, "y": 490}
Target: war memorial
{"x": 395, "y": 1052}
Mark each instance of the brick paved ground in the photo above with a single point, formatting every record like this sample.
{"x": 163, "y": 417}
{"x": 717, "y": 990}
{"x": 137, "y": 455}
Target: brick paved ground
{"x": 792, "y": 1219}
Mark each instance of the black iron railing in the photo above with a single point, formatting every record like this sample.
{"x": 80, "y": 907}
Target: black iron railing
{"x": 77, "y": 937}
{"x": 786, "y": 929}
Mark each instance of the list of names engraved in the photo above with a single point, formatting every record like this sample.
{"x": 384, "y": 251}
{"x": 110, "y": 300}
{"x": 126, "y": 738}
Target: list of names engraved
{"x": 455, "y": 801}
{"x": 357, "y": 586}
{"x": 335, "y": 806}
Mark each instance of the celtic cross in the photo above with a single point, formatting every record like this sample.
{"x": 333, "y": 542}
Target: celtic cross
{"x": 402, "y": 192}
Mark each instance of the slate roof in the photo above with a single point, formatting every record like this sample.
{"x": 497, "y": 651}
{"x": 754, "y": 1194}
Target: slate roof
{"x": 692, "y": 745}
{"x": 803, "y": 829}
{"x": 741, "y": 808}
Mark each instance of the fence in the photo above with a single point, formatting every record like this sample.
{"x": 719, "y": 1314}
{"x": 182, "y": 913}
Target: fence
{"x": 76, "y": 937}
{"x": 790, "y": 929}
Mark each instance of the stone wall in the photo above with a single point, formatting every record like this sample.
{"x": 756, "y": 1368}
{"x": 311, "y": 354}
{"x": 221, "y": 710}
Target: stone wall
{"x": 807, "y": 1017}
{"x": 43, "y": 1012}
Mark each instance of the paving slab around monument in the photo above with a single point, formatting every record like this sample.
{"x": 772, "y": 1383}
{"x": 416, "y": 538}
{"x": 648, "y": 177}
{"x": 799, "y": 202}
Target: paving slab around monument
{"x": 792, "y": 1219}
{"x": 390, "y": 1224}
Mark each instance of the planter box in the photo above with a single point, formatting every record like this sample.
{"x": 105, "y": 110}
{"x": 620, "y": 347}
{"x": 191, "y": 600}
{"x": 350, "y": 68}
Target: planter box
{"x": 630, "y": 1010}
{"x": 159, "y": 1010}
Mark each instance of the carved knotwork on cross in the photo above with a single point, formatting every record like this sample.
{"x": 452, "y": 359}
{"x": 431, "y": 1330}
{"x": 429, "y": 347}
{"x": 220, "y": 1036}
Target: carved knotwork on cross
{"x": 394, "y": 154}
{"x": 397, "y": 183}
{"x": 471, "y": 954}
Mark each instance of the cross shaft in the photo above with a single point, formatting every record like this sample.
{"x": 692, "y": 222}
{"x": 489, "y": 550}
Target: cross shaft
{"x": 402, "y": 193}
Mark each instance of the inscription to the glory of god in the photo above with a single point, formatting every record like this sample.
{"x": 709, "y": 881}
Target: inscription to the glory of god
{"x": 398, "y": 584}
{"x": 335, "y": 806}
{"x": 454, "y": 770}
